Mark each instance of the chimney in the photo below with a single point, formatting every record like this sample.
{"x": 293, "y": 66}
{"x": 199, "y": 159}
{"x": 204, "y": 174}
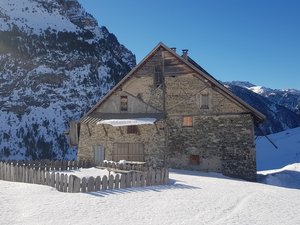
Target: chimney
{"x": 173, "y": 49}
{"x": 185, "y": 54}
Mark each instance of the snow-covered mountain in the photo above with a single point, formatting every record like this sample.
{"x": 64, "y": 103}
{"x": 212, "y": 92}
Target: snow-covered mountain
{"x": 281, "y": 107}
{"x": 289, "y": 98}
{"x": 55, "y": 63}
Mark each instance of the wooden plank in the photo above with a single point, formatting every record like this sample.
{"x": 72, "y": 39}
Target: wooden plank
{"x": 77, "y": 182}
{"x": 1, "y": 170}
{"x": 123, "y": 181}
{"x": 47, "y": 182}
{"x": 104, "y": 183}
{"x": 128, "y": 180}
{"x": 42, "y": 175}
{"x": 66, "y": 179}
{"x": 138, "y": 180}
{"x": 38, "y": 176}
{"x": 57, "y": 176}
{"x": 111, "y": 182}
{"x": 143, "y": 179}
{"x": 61, "y": 182}
{"x": 91, "y": 184}
{"x": 148, "y": 178}
{"x": 71, "y": 184}
{"x": 30, "y": 176}
{"x": 97, "y": 183}
{"x": 152, "y": 182}
{"x": 117, "y": 181}
{"x": 83, "y": 185}
{"x": 20, "y": 173}
{"x": 166, "y": 176}
{"x": 157, "y": 177}
{"x": 133, "y": 180}
{"x": 52, "y": 179}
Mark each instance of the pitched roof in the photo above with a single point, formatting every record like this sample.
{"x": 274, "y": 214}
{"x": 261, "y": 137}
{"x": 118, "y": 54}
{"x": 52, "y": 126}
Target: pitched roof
{"x": 259, "y": 117}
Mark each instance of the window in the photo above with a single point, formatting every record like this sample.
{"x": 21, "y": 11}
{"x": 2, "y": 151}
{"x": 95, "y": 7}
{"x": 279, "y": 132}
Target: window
{"x": 158, "y": 79}
{"x": 187, "y": 121}
{"x": 132, "y": 130}
{"x": 205, "y": 101}
{"x": 194, "y": 159}
{"x": 124, "y": 103}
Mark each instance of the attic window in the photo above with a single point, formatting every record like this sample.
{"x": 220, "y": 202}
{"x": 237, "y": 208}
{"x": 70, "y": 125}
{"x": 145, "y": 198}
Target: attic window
{"x": 158, "y": 79}
{"x": 124, "y": 103}
{"x": 204, "y": 101}
{"x": 187, "y": 121}
{"x": 194, "y": 159}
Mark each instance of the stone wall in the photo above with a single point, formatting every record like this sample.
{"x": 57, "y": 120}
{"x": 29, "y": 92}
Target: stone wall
{"x": 94, "y": 135}
{"x": 223, "y": 143}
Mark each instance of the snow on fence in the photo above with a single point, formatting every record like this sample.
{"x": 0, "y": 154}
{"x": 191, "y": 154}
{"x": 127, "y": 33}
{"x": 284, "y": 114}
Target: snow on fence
{"x": 62, "y": 182}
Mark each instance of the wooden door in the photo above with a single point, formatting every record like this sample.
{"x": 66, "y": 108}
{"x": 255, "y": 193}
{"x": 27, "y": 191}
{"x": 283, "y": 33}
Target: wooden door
{"x": 128, "y": 152}
{"x": 99, "y": 154}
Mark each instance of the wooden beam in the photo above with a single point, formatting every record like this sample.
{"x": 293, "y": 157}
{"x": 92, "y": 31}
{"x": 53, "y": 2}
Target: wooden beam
{"x": 87, "y": 125}
{"x": 157, "y": 130}
{"x": 104, "y": 129}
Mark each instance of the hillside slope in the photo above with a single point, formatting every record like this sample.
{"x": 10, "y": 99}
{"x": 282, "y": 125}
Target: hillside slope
{"x": 288, "y": 152}
{"x": 56, "y": 62}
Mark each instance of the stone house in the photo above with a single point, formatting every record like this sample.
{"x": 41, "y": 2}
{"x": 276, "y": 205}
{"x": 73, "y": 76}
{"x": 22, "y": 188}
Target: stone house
{"x": 169, "y": 111}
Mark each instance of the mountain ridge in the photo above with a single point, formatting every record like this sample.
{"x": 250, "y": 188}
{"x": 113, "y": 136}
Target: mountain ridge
{"x": 56, "y": 63}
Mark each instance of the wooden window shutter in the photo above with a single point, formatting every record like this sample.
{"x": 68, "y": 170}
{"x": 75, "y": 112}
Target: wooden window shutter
{"x": 187, "y": 121}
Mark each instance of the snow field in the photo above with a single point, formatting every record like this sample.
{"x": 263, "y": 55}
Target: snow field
{"x": 192, "y": 198}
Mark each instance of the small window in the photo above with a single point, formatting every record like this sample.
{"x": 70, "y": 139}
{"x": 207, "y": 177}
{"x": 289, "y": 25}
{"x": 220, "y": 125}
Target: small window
{"x": 124, "y": 103}
{"x": 204, "y": 101}
{"x": 194, "y": 159}
{"x": 158, "y": 79}
{"x": 187, "y": 121}
{"x": 132, "y": 130}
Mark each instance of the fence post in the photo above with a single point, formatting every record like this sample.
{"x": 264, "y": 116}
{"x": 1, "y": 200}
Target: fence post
{"x": 65, "y": 188}
{"x": 83, "y": 185}
{"x": 30, "y": 177}
{"x": 1, "y": 170}
{"x": 77, "y": 182}
{"x": 111, "y": 182}
{"x": 138, "y": 180}
{"x": 133, "y": 179}
{"x": 91, "y": 184}
{"x": 157, "y": 177}
{"x": 71, "y": 184}
{"x": 104, "y": 183}
{"x": 97, "y": 183}
{"x": 52, "y": 177}
{"x": 152, "y": 177}
{"x": 128, "y": 180}
{"x": 48, "y": 180}
{"x": 61, "y": 182}
{"x": 117, "y": 181}
{"x": 57, "y": 181}
{"x": 123, "y": 181}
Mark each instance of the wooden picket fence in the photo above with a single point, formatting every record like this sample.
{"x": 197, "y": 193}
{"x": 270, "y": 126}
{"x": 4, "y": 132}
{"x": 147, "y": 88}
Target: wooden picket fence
{"x": 15, "y": 172}
{"x": 58, "y": 165}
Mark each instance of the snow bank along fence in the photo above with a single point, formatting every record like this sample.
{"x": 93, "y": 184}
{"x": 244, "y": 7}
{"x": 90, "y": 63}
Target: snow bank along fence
{"x": 36, "y": 173}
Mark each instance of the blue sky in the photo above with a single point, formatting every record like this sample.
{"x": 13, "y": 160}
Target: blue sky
{"x": 256, "y": 41}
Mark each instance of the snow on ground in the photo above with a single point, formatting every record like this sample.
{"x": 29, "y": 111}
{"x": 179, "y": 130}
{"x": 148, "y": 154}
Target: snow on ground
{"x": 288, "y": 152}
{"x": 192, "y": 198}
{"x": 89, "y": 172}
